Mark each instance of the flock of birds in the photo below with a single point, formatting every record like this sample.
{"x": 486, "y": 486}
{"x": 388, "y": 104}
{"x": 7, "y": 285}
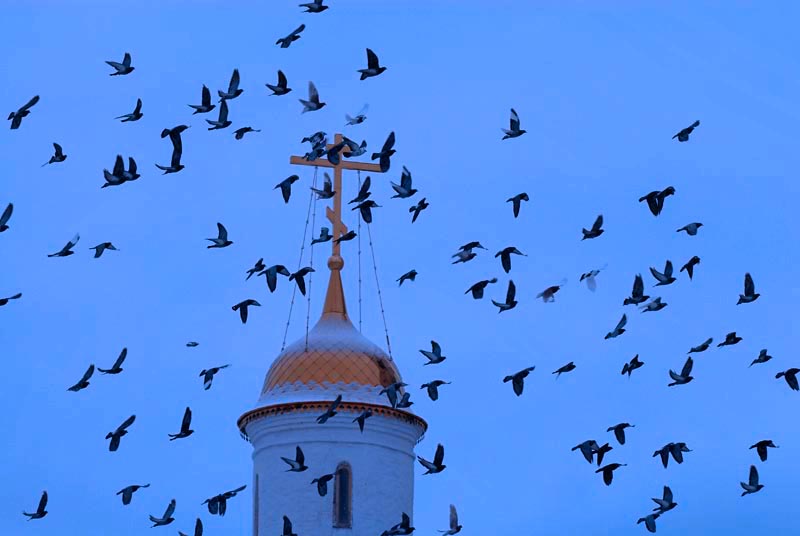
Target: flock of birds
{"x": 591, "y": 450}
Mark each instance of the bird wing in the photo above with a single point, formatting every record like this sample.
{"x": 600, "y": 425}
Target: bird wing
{"x": 6, "y": 214}
{"x": 131, "y": 165}
{"x": 749, "y": 287}
{"x": 198, "y": 527}
{"x": 505, "y": 260}
{"x": 126, "y": 60}
{"x": 753, "y": 480}
{"x": 128, "y": 422}
{"x": 667, "y": 495}
{"x": 438, "y": 458}
{"x": 298, "y": 30}
{"x": 389, "y": 143}
{"x": 299, "y": 456}
{"x": 223, "y": 232}
{"x": 59, "y": 151}
{"x": 29, "y": 104}
{"x": 372, "y": 60}
{"x": 638, "y": 286}
{"x": 187, "y": 420}
{"x": 668, "y": 269}
{"x": 658, "y": 275}
{"x": 514, "y": 120}
{"x": 436, "y": 349}
{"x": 122, "y": 355}
{"x": 453, "y": 517}
{"x": 365, "y": 187}
{"x": 138, "y": 108}
{"x": 405, "y": 179}
{"x": 313, "y": 94}
{"x": 687, "y": 367}
{"x": 206, "y": 100}
{"x": 281, "y": 79}
{"x": 170, "y": 510}
{"x": 598, "y": 223}
{"x": 43, "y": 500}
{"x": 287, "y": 526}
{"x": 223, "y": 111}
{"x": 119, "y": 166}
{"x": 87, "y": 374}
{"x": 512, "y": 292}
{"x": 234, "y": 84}
{"x": 622, "y": 322}
{"x": 335, "y": 404}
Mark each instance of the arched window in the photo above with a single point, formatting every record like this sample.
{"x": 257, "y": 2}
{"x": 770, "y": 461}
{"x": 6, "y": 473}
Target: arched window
{"x": 343, "y": 497}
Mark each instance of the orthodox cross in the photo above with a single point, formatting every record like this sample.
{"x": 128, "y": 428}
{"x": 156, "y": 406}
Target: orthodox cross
{"x": 335, "y": 215}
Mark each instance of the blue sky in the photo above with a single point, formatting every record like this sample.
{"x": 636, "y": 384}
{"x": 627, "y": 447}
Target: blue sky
{"x": 600, "y": 87}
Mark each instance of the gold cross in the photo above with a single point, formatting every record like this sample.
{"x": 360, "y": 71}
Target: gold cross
{"x": 335, "y": 215}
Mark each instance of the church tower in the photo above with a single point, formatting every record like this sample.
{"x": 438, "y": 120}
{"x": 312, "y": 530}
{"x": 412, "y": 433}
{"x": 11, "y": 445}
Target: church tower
{"x": 373, "y": 482}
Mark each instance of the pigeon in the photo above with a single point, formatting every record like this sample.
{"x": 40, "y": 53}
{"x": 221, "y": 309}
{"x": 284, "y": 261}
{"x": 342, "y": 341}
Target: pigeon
{"x": 116, "y": 368}
{"x": 433, "y": 388}
{"x": 59, "y": 155}
{"x": 663, "y": 278}
{"x": 685, "y": 376}
{"x": 677, "y": 450}
{"x": 298, "y": 464}
{"x": 322, "y": 484}
{"x": 117, "y": 434}
{"x": 664, "y": 452}
{"x": 591, "y": 282}
{"x": 83, "y": 383}
{"x": 763, "y": 357}
{"x": 385, "y": 154}
{"x": 752, "y": 485}
{"x": 791, "y": 378}
{"x": 478, "y": 288}
{"x": 514, "y": 131}
{"x": 135, "y": 115}
{"x": 649, "y": 521}
{"x": 363, "y": 192}
{"x": 596, "y": 230}
{"x": 286, "y": 186}
{"x": 666, "y": 503}
{"x": 4, "y": 301}
{"x": 419, "y": 207}
{"x": 588, "y": 449}
{"x": 314, "y": 7}
{"x": 505, "y": 257}
{"x": 5, "y": 217}
{"x": 100, "y": 248}
{"x": 205, "y": 105}
{"x": 689, "y": 266}
{"x": 284, "y": 42}
{"x": 222, "y": 239}
{"x": 334, "y": 153}
{"x": 569, "y": 367}
{"x": 655, "y": 305}
{"x": 549, "y": 294}
{"x": 353, "y": 148}
{"x": 66, "y": 251}
{"x": 324, "y": 236}
{"x": 316, "y": 139}
{"x": 128, "y": 491}
{"x": 464, "y": 256}
{"x": 331, "y": 411}
{"x": 518, "y": 379}
{"x": 683, "y": 135}
{"x": 702, "y": 347}
{"x": 177, "y": 149}
{"x": 222, "y": 121}
{"x": 365, "y": 209}
{"x": 620, "y": 329}
{"x": 634, "y": 364}
{"x": 287, "y": 527}
{"x": 312, "y": 104}
{"x": 185, "y": 424}
{"x": 404, "y": 189}
{"x": 327, "y": 188}
{"x": 608, "y": 471}
{"x": 391, "y": 392}
{"x": 122, "y": 68}
{"x": 436, "y": 466}
{"x": 258, "y": 267}
{"x": 359, "y": 118}
{"x": 298, "y": 277}
{"x": 761, "y": 448}
{"x": 281, "y": 87}
{"x": 232, "y": 93}
{"x": 24, "y": 111}
{"x": 167, "y": 518}
{"x": 405, "y": 401}
{"x": 373, "y": 68}
{"x": 517, "y": 201}
{"x": 455, "y": 528}
{"x": 471, "y": 245}
{"x": 655, "y": 199}
{"x": 602, "y": 451}
{"x": 750, "y": 295}
{"x": 730, "y": 339}
{"x": 349, "y": 235}
{"x": 218, "y": 504}
{"x": 404, "y": 527}
{"x": 619, "y": 431}
{"x": 691, "y": 228}
{"x": 243, "y": 306}
{"x": 117, "y": 175}
{"x": 271, "y": 275}
{"x": 435, "y": 355}
{"x": 411, "y": 275}
{"x": 198, "y": 529}
{"x": 131, "y": 173}
{"x": 510, "y": 302}
{"x": 192, "y": 344}
{"x": 208, "y": 375}
{"x": 366, "y": 414}
{"x": 240, "y": 132}
{"x": 40, "y": 510}
{"x": 637, "y": 294}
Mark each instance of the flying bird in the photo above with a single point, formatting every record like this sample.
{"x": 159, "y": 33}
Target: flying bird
{"x": 478, "y": 288}
{"x": 683, "y": 135}
{"x": 750, "y": 295}
{"x": 222, "y": 121}
{"x": 518, "y": 380}
{"x": 205, "y": 105}
{"x": 514, "y": 131}
{"x": 281, "y": 88}
{"x": 632, "y": 365}
{"x": 549, "y": 294}
{"x": 218, "y": 504}
{"x": 691, "y": 228}
{"x": 702, "y": 347}
{"x": 365, "y": 209}
{"x": 324, "y": 236}
{"x": 436, "y": 466}
{"x": 455, "y": 528}
{"x": 385, "y": 153}
{"x": 232, "y": 93}
{"x": 421, "y": 205}
{"x": 299, "y": 276}
{"x": 240, "y": 132}
{"x": 434, "y": 355}
{"x": 596, "y": 230}
{"x": 353, "y": 148}
{"x": 117, "y": 175}
{"x": 5, "y": 217}
{"x": 404, "y": 189}
{"x": 185, "y": 424}
{"x": 730, "y": 339}
{"x": 177, "y": 149}
{"x": 620, "y": 329}
{"x": 83, "y": 383}
{"x": 327, "y": 188}
{"x": 689, "y": 266}
{"x": 505, "y": 257}
{"x": 222, "y": 238}
{"x": 752, "y": 485}
{"x": 685, "y": 376}
{"x": 591, "y": 282}
{"x": 192, "y": 344}
{"x": 404, "y": 527}
{"x": 135, "y": 115}
{"x": 637, "y": 294}
{"x": 122, "y": 68}
{"x": 167, "y": 518}
{"x": 243, "y": 306}
{"x": 761, "y": 448}
{"x": 208, "y": 375}
{"x": 116, "y": 368}
{"x": 359, "y": 118}
{"x": 4, "y": 301}
{"x": 331, "y": 411}
{"x": 655, "y": 305}
{"x": 322, "y": 484}
{"x": 517, "y": 201}
{"x": 791, "y": 378}
{"x": 763, "y": 357}
{"x": 366, "y": 414}
{"x": 271, "y": 275}
{"x": 59, "y": 155}
{"x": 297, "y": 465}
{"x": 655, "y": 199}
{"x": 666, "y": 503}
{"x": 313, "y": 103}
{"x": 66, "y": 251}
{"x": 608, "y": 471}
{"x": 663, "y": 278}
{"x": 131, "y": 173}
{"x": 117, "y": 434}
{"x": 24, "y": 111}
{"x": 649, "y": 521}
{"x": 258, "y": 267}
{"x": 128, "y": 491}
{"x": 411, "y": 275}
{"x": 391, "y": 391}
{"x": 286, "y": 187}
{"x": 619, "y": 431}
{"x": 433, "y": 388}
{"x": 314, "y": 7}
{"x": 284, "y": 42}
{"x": 373, "y": 67}
{"x": 569, "y": 367}
{"x": 510, "y": 302}
{"x": 198, "y": 529}
{"x": 40, "y": 510}
{"x": 287, "y": 527}
{"x": 103, "y": 246}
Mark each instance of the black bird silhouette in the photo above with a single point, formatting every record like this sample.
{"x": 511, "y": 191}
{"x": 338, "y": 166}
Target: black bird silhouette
{"x": 135, "y": 115}
{"x": 373, "y": 66}
{"x": 750, "y": 295}
{"x": 752, "y": 486}
{"x": 222, "y": 238}
{"x": 314, "y": 7}
{"x": 117, "y": 434}
{"x": 683, "y": 135}
{"x": 331, "y": 411}
{"x": 634, "y": 364}
{"x": 83, "y": 383}
{"x": 608, "y": 472}
{"x": 208, "y": 375}
{"x": 665, "y": 278}
{"x": 271, "y": 275}
{"x": 433, "y": 388}
{"x": 101, "y": 247}
{"x": 518, "y": 379}
{"x": 761, "y": 448}
{"x": 59, "y": 155}
{"x": 689, "y": 266}
{"x": 4, "y": 301}
{"x": 411, "y": 275}
{"x": 655, "y": 199}
{"x": 649, "y": 521}
{"x": 243, "y": 306}
{"x": 284, "y": 42}
{"x": 637, "y": 294}
{"x": 128, "y": 491}
{"x": 517, "y": 201}
{"x": 436, "y": 466}
{"x": 596, "y": 230}
{"x": 313, "y": 103}
{"x": 297, "y": 465}
{"x": 322, "y": 484}
{"x": 421, "y": 205}
{"x": 510, "y": 302}
{"x": 299, "y": 276}
{"x": 505, "y": 257}
{"x": 665, "y": 504}
{"x": 116, "y": 368}
{"x": 478, "y": 288}
{"x": 218, "y": 504}
{"x": 222, "y": 120}
{"x": 619, "y": 431}
{"x": 5, "y": 217}
{"x": 167, "y": 518}
{"x": 24, "y": 111}
{"x": 363, "y": 191}
{"x": 685, "y": 376}
{"x": 385, "y": 153}
{"x": 513, "y": 131}
{"x": 620, "y": 329}
{"x": 258, "y": 267}
{"x": 366, "y": 414}
{"x": 205, "y": 105}
{"x": 730, "y": 339}
{"x": 40, "y": 510}
{"x": 66, "y": 251}
{"x": 281, "y": 88}
{"x": 569, "y": 367}
{"x": 763, "y": 357}
{"x": 791, "y": 378}
{"x": 286, "y": 186}
{"x": 240, "y": 132}
{"x": 177, "y": 149}
{"x": 287, "y": 527}
{"x": 198, "y": 529}
{"x": 186, "y": 431}
{"x": 233, "y": 90}
{"x": 122, "y": 68}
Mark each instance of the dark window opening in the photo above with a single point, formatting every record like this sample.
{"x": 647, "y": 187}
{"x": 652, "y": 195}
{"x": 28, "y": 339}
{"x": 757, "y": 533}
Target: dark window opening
{"x": 343, "y": 497}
